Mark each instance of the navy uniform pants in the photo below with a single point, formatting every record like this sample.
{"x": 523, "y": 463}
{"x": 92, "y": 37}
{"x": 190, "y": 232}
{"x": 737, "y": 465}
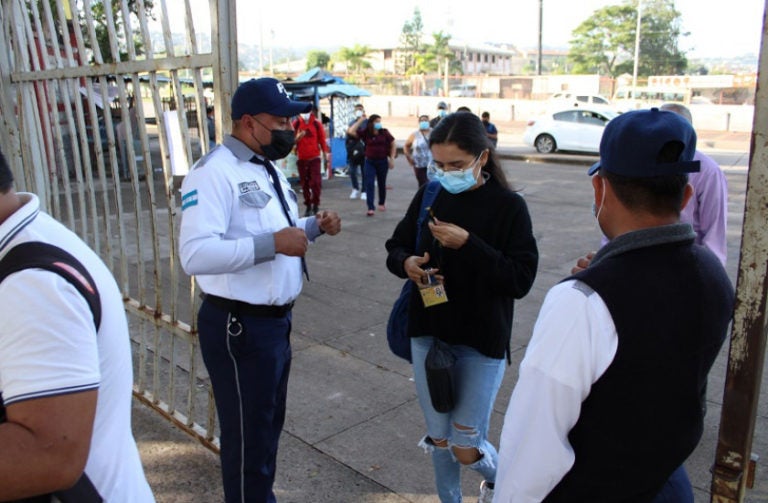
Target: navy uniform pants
{"x": 249, "y": 374}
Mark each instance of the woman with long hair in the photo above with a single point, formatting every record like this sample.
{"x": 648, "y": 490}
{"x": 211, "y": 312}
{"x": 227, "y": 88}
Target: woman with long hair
{"x": 478, "y": 251}
{"x": 380, "y": 153}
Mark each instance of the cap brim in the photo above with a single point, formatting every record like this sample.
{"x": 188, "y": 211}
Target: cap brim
{"x": 593, "y": 169}
{"x": 291, "y": 108}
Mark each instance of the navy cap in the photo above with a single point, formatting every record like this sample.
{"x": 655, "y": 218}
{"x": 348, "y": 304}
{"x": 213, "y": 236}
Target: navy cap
{"x": 442, "y": 105}
{"x": 265, "y": 95}
{"x": 632, "y": 142}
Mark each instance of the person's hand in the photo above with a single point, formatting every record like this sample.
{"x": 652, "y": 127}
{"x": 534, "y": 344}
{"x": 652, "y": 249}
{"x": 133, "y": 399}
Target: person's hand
{"x": 329, "y": 222}
{"x": 391, "y": 162}
{"x": 291, "y": 241}
{"x": 583, "y": 262}
{"x": 448, "y": 235}
{"x": 415, "y": 271}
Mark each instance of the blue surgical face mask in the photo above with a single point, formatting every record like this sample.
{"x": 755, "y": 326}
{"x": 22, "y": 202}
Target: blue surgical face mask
{"x": 424, "y": 125}
{"x": 377, "y": 125}
{"x": 442, "y": 113}
{"x": 457, "y": 181}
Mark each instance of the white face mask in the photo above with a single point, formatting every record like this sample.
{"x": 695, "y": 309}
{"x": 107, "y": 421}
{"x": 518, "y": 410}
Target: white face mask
{"x": 305, "y": 116}
{"x": 595, "y": 210}
{"x": 358, "y": 113}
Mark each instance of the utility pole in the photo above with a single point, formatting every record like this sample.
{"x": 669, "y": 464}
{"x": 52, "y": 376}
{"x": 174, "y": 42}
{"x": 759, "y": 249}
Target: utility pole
{"x": 637, "y": 46}
{"x": 541, "y": 23}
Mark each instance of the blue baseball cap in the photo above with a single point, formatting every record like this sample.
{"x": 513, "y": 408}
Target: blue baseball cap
{"x": 265, "y": 95}
{"x": 632, "y": 142}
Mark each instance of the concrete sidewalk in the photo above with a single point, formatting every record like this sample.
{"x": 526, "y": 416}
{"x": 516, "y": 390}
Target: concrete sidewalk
{"x": 353, "y": 419}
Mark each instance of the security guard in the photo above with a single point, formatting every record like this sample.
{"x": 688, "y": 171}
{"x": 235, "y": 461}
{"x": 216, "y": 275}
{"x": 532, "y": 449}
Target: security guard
{"x": 241, "y": 236}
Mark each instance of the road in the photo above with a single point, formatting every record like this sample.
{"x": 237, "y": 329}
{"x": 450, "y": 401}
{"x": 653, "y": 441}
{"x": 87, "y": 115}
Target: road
{"x": 353, "y": 422}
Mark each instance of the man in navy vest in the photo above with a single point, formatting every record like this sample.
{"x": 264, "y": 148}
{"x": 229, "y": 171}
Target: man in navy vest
{"x": 610, "y": 398}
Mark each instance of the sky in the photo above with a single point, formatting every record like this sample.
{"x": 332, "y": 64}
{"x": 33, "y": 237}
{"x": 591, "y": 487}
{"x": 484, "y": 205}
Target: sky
{"x": 715, "y": 30}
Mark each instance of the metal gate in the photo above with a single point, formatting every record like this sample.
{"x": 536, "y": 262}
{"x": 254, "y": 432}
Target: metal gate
{"x": 102, "y": 108}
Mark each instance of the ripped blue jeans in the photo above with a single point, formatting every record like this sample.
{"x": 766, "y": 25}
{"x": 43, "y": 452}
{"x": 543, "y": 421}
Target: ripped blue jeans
{"x": 477, "y": 379}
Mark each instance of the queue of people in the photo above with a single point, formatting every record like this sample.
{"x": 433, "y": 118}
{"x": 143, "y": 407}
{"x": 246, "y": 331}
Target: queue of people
{"x": 592, "y": 380}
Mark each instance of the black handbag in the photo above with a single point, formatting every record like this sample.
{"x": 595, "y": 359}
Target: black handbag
{"x": 439, "y": 365}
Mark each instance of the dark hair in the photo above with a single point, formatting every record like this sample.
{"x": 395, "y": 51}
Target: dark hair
{"x": 371, "y": 119}
{"x": 467, "y": 132}
{"x": 464, "y": 109}
{"x": 6, "y": 177}
{"x": 485, "y": 114}
{"x": 657, "y": 195}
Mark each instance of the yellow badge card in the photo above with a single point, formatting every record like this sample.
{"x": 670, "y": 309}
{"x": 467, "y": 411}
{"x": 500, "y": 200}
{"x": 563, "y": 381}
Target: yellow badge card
{"x": 433, "y": 294}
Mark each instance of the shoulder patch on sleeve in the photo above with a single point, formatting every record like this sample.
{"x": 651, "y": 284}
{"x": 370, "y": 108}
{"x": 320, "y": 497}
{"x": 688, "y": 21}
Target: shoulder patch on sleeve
{"x": 189, "y": 199}
{"x": 583, "y": 288}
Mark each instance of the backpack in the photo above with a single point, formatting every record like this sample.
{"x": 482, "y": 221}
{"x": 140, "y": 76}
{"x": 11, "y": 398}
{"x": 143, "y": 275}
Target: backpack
{"x": 37, "y": 255}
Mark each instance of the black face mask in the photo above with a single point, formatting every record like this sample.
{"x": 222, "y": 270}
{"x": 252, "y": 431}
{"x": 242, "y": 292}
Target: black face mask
{"x": 280, "y": 145}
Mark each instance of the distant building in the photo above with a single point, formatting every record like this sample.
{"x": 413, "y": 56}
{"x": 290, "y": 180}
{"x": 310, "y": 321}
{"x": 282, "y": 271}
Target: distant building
{"x": 475, "y": 59}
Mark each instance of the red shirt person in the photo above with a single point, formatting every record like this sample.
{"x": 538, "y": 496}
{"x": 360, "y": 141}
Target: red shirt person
{"x": 310, "y": 145}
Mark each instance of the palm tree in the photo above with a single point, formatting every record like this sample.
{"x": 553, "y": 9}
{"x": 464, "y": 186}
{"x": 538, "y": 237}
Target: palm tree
{"x": 354, "y": 57}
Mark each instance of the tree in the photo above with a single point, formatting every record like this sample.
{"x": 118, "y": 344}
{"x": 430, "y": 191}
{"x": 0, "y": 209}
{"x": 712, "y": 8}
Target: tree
{"x": 354, "y": 57}
{"x": 99, "y": 13}
{"x": 605, "y": 42}
{"x": 319, "y": 59}
{"x": 410, "y": 43}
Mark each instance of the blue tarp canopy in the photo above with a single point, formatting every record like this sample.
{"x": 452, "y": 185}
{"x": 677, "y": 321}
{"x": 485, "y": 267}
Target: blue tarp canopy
{"x": 317, "y": 84}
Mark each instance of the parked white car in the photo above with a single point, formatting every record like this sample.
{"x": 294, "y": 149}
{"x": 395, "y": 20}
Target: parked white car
{"x": 575, "y": 129}
{"x": 578, "y": 100}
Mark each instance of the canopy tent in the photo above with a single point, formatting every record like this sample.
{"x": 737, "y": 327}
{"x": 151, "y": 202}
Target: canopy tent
{"x": 317, "y": 84}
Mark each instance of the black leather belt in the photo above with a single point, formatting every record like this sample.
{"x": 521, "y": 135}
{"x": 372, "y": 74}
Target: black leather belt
{"x": 243, "y": 308}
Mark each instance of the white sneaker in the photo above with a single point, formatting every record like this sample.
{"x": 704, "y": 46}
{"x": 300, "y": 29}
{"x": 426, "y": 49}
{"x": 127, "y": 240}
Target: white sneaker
{"x": 355, "y": 194}
{"x": 362, "y": 196}
{"x": 486, "y": 493}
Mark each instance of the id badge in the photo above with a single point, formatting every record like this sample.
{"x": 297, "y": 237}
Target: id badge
{"x": 433, "y": 293}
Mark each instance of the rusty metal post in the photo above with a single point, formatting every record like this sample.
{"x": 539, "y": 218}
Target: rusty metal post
{"x": 748, "y": 338}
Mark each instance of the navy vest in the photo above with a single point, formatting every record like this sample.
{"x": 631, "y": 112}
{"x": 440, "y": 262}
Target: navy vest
{"x": 671, "y": 305}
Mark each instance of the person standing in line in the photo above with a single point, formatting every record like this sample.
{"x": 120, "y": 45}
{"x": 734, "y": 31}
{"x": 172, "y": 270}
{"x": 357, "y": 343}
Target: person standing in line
{"x": 356, "y": 155}
{"x": 66, "y": 374}
{"x": 610, "y": 400}
{"x": 380, "y": 153}
{"x": 242, "y": 238}
{"x": 417, "y": 151}
{"x": 707, "y": 211}
{"x": 210, "y": 118}
{"x": 490, "y": 129}
{"x": 482, "y": 265}
{"x": 310, "y": 145}
{"x": 442, "y": 111}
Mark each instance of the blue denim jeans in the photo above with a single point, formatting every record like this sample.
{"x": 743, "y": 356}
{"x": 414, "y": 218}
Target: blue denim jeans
{"x": 354, "y": 169}
{"x": 477, "y": 379}
{"x": 677, "y": 489}
{"x": 375, "y": 172}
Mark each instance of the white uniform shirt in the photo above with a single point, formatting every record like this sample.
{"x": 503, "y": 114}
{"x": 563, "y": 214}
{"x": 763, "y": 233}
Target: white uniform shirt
{"x": 574, "y": 341}
{"x": 230, "y": 211}
{"x": 49, "y": 346}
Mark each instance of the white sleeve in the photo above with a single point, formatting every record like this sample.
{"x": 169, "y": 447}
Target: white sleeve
{"x": 573, "y": 343}
{"x": 207, "y": 201}
{"x": 48, "y": 341}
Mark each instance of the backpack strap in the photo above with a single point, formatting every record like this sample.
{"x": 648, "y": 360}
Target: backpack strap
{"x": 427, "y": 200}
{"x": 37, "y": 255}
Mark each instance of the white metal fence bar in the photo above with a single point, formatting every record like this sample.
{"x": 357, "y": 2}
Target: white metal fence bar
{"x": 75, "y": 124}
